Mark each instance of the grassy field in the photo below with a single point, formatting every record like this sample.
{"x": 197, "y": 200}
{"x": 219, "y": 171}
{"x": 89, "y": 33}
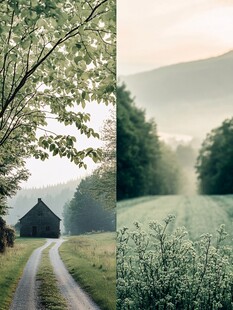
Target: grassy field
{"x": 49, "y": 293}
{"x": 160, "y": 270}
{"x": 91, "y": 261}
{"x": 12, "y": 263}
{"x": 198, "y": 214}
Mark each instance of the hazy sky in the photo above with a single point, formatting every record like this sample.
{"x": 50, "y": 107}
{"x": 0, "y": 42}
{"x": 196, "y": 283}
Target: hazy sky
{"x": 154, "y": 33}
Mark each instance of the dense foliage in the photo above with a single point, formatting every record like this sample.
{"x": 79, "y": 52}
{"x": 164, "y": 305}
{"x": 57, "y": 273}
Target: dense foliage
{"x": 104, "y": 189}
{"x": 7, "y": 236}
{"x": 215, "y": 161}
{"x": 84, "y": 213}
{"x": 12, "y": 172}
{"x": 93, "y": 206}
{"x": 158, "y": 270}
{"x": 144, "y": 165}
{"x": 55, "y": 57}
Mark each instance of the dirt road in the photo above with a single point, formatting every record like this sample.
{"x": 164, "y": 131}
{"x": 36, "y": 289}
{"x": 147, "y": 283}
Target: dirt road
{"x": 76, "y": 298}
{"x": 25, "y": 297}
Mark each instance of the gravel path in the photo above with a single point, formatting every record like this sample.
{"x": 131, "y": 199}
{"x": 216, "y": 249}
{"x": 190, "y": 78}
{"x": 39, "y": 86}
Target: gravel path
{"x": 25, "y": 295}
{"x": 76, "y": 298}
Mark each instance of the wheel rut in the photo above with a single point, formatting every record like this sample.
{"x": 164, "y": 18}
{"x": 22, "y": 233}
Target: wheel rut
{"x": 26, "y": 294}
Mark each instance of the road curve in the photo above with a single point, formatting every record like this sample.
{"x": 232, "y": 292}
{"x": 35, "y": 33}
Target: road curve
{"x": 76, "y": 298}
{"x": 25, "y": 297}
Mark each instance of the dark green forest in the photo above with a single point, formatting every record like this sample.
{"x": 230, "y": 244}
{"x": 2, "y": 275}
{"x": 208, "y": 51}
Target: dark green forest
{"x": 215, "y": 161}
{"x": 92, "y": 207}
{"x": 145, "y": 166}
{"x": 85, "y": 212}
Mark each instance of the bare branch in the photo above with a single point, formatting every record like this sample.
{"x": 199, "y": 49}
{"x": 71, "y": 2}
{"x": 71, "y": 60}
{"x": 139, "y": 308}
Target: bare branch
{"x": 13, "y": 78}
{"x": 47, "y": 131}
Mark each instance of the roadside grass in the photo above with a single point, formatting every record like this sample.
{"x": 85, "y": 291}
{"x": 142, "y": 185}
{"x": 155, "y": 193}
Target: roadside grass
{"x": 12, "y": 263}
{"x": 91, "y": 260}
{"x": 49, "y": 294}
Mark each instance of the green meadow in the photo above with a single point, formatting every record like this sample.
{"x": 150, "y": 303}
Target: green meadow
{"x": 198, "y": 214}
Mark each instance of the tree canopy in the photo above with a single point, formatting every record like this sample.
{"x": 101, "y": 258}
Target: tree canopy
{"x": 55, "y": 57}
{"x": 215, "y": 161}
{"x": 104, "y": 187}
{"x": 84, "y": 213}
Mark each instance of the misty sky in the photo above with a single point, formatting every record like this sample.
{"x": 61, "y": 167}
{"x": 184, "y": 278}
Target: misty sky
{"x": 155, "y": 33}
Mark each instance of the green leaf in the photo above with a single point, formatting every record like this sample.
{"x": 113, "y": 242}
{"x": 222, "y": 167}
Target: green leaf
{"x": 78, "y": 59}
{"x": 83, "y": 95}
{"x": 55, "y": 152}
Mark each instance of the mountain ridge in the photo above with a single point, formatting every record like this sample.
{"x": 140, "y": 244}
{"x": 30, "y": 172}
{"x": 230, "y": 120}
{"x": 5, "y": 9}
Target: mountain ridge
{"x": 225, "y": 55}
{"x": 181, "y": 97}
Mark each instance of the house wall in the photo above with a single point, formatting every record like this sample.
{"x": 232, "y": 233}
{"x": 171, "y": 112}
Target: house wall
{"x": 40, "y": 222}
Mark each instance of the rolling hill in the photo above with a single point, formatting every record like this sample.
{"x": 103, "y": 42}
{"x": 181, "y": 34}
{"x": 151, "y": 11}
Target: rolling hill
{"x": 186, "y": 98}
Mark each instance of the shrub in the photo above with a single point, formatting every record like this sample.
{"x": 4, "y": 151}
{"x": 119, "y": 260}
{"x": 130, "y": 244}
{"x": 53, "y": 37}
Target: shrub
{"x": 157, "y": 270}
{"x": 10, "y": 236}
{"x": 2, "y": 235}
{"x": 7, "y": 236}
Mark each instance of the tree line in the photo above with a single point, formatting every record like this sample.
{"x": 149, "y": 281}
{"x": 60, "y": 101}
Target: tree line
{"x": 215, "y": 161}
{"x": 84, "y": 212}
{"x": 92, "y": 207}
{"x": 145, "y": 165}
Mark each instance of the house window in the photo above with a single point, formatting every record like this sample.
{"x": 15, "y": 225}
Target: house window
{"x": 47, "y": 228}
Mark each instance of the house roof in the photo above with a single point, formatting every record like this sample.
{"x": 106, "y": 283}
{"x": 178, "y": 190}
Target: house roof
{"x": 39, "y": 202}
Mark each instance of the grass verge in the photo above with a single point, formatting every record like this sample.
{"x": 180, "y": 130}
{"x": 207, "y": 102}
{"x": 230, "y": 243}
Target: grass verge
{"x": 49, "y": 294}
{"x": 12, "y": 263}
{"x": 91, "y": 260}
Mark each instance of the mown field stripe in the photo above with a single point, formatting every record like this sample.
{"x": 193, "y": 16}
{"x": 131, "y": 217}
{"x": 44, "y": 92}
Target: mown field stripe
{"x": 147, "y": 211}
{"x": 199, "y": 214}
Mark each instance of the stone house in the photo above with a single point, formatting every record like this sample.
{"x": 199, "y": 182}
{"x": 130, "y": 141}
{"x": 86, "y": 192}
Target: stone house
{"x": 40, "y": 221}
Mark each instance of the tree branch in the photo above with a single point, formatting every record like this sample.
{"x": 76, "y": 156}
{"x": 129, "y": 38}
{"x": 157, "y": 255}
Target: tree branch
{"x": 28, "y": 73}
